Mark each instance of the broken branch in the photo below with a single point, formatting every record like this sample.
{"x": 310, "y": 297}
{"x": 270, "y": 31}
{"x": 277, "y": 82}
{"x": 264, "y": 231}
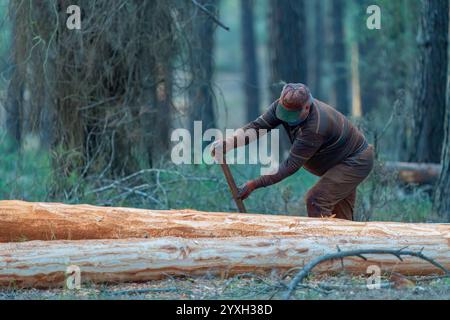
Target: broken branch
{"x": 211, "y": 15}
{"x": 358, "y": 253}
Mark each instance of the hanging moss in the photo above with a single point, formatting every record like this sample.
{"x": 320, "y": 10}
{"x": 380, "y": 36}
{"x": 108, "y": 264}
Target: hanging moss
{"x": 100, "y": 97}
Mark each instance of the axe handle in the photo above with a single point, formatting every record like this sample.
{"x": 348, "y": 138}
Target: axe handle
{"x": 233, "y": 187}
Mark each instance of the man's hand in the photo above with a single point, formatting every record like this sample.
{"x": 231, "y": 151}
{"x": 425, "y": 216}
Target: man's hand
{"x": 218, "y": 148}
{"x": 245, "y": 190}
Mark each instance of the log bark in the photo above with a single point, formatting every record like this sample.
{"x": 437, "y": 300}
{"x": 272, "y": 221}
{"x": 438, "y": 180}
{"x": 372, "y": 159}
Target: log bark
{"x": 26, "y": 221}
{"x": 185, "y": 242}
{"x": 44, "y": 263}
{"x": 417, "y": 173}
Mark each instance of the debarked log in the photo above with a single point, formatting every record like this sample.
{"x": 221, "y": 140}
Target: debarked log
{"x": 24, "y": 221}
{"x": 43, "y": 264}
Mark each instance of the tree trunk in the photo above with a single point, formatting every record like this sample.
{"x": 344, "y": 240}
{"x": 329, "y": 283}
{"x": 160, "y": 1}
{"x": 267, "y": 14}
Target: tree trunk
{"x": 45, "y": 263}
{"x": 13, "y": 108}
{"x": 339, "y": 57}
{"x": 14, "y": 97}
{"x": 27, "y": 221}
{"x": 442, "y": 194}
{"x": 319, "y": 40}
{"x": 48, "y": 114}
{"x": 431, "y": 82}
{"x": 88, "y": 91}
{"x": 356, "y": 86}
{"x": 250, "y": 60}
{"x": 287, "y": 49}
{"x": 201, "y": 95}
{"x": 148, "y": 244}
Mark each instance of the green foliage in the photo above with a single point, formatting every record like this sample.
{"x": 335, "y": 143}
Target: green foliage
{"x": 27, "y": 174}
{"x": 24, "y": 173}
{"x": 388, "y": 201}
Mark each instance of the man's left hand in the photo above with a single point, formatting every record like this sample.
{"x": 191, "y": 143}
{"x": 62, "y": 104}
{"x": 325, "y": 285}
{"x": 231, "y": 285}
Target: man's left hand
{"x": 245, "y": 190}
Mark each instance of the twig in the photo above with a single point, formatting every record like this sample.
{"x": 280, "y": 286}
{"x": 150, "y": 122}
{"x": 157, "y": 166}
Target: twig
{"x": 115, "y": 183}
{"x": 211, "y": 15}
{"x": 398, "y": 104}
{"x": 358, "y": 253}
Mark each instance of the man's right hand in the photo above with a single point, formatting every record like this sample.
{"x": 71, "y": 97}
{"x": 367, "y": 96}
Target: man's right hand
{"x": 218, "y": 149}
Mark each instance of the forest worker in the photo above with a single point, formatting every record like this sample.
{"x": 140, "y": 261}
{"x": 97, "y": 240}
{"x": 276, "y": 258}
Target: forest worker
{"x": 323, "y": 141}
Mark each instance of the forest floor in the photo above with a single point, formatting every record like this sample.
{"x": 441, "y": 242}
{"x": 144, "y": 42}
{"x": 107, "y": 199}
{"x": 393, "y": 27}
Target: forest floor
{"x": 248, "y": 287}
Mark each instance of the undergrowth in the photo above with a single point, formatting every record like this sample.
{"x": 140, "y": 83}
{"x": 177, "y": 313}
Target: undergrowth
{"x": 26, "y": 174}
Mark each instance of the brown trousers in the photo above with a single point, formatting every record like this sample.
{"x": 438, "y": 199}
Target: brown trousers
{"x": 335, "y": 193}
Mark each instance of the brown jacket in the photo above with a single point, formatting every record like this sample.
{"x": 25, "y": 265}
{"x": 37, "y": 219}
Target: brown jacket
{"x": 324, "y": 140}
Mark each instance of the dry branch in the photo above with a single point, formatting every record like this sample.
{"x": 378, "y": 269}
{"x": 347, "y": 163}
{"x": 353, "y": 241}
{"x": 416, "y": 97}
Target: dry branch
{"x": 300, "y": 276}
{"x": 210, "y": 14}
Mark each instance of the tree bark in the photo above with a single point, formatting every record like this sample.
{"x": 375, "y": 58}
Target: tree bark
{"x": 287, "y": 49}
{"x": 356, "y": 85}
{"x": 319, "y": 40}
{"x": 250, "y": 60}
{"x": 442, "y": 195}
{"x": 431, "y": 82}
{"x": 201, "y": 95}
{"x": 13, "y": 108}
{"x": 339, "y": 57}
{"x": 14, "y": 96}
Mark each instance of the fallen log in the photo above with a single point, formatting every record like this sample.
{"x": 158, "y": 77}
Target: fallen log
{"x": 414, "y": 173}
{"x": 24, "y": 221}
{"x": 42, "y": 264}
{"x": 193, "y": 243}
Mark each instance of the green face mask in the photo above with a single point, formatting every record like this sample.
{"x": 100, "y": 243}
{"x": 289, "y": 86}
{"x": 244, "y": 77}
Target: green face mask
{"x": 292, "y": 118}
{"x": 296, "y": 123}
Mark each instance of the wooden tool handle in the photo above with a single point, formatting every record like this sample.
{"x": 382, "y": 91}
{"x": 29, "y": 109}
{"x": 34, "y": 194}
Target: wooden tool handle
{"x": 233, "y": 187}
